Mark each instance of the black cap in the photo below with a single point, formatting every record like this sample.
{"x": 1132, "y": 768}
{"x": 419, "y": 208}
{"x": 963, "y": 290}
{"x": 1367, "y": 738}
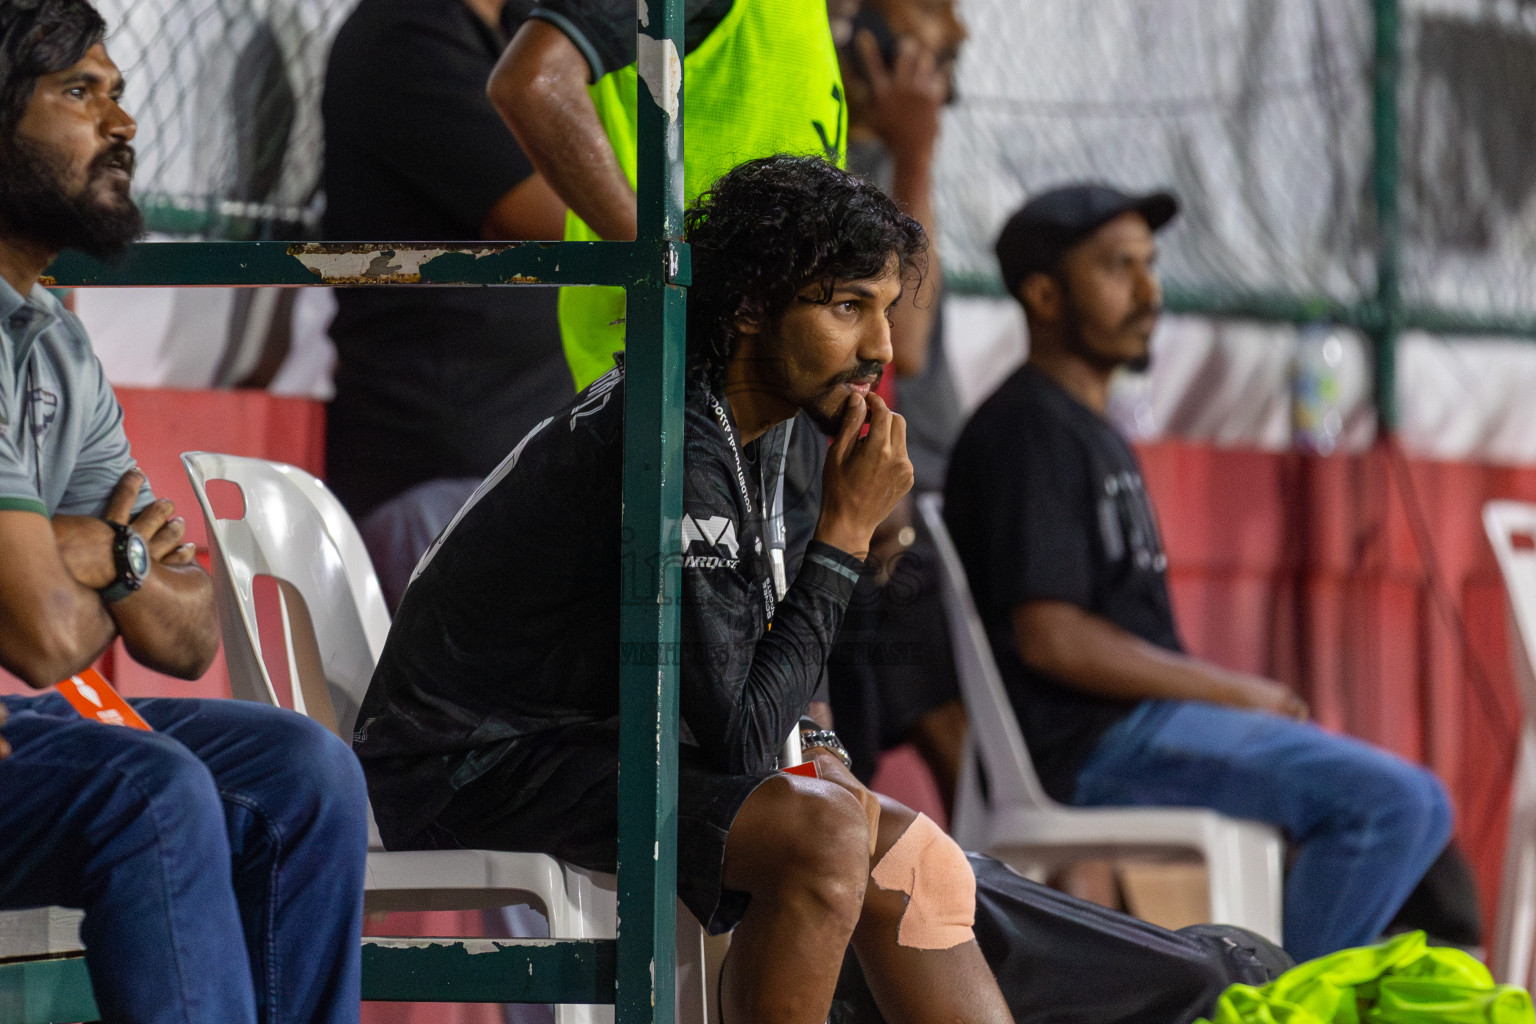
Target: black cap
{"x": 1057, "y": 219}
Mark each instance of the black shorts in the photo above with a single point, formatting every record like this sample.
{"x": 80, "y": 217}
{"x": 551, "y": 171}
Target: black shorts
{"x": 556, "y": 792}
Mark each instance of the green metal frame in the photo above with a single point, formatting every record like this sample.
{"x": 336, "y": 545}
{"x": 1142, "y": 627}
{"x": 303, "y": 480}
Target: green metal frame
{"x": 1386, "y": 172}
{"x": 241, "y": 264}
{"x": 44, "y": 991}
{"x": 634, "y": 971}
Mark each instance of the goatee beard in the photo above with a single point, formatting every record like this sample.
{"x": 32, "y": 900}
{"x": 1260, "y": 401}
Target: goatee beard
{"x": 34, "y": 205}
{"x": 1078, "y": 345}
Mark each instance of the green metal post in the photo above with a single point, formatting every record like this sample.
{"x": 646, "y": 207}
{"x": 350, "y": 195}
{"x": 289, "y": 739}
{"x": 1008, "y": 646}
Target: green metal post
{"x": 653, "y": 507}
{"x": 489, "y": 971}
{"x": 1385, "y": 177}
{"x": 45, "y": 991}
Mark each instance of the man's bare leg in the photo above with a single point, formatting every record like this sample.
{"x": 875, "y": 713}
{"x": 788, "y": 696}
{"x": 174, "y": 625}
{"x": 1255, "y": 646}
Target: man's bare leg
{"x": 915, "y": 986}
{"x": 800, "y": 848}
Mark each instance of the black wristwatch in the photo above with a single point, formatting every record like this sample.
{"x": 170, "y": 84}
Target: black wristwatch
{"x": 131, "y": 556}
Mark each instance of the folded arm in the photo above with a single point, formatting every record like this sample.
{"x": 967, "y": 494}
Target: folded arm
{"x": 51, "y": 625}
{"x": 168, "y": 624}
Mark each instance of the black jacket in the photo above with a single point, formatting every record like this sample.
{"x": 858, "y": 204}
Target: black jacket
{"x": 512, "y": 624}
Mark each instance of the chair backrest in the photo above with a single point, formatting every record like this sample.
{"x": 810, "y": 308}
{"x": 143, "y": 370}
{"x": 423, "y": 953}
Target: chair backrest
{"x": 1511, "y": 528}
{"x": 295, "y": 531}
{"x": 1011, "y": 778}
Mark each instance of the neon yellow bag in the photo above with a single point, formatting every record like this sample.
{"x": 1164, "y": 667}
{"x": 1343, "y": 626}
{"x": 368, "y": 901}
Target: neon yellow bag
{"x": 1402, "y": 981}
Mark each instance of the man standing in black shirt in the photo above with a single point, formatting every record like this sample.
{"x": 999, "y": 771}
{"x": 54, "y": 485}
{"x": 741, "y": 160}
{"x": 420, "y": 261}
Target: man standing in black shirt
{"x": 433, "y": 385}
{"x": 1046, "y": 503}
{"x": 492, "y": 719}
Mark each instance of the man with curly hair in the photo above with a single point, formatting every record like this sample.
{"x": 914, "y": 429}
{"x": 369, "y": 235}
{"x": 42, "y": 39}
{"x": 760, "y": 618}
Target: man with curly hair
{"x": 218, "y": 857}
{"x": 492, "y": 720}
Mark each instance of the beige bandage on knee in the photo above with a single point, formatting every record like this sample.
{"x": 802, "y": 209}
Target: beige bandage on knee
{"x": 932, "y": 870}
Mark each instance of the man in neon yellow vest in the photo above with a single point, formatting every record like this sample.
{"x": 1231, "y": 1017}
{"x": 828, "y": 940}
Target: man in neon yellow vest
{"x": 762, "y": 77}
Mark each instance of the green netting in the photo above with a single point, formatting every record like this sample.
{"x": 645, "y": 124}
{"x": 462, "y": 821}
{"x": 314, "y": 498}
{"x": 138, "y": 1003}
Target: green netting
{"x": 227, "y": 96}
{"x": 1468, "y": 102}
{"x": 1259, "y": 113}
{"x": 1256, "y": 113}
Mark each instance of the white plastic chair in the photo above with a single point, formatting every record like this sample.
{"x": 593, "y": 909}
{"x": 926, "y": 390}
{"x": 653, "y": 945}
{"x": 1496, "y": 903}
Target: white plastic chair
{"x": 1018, "y": 823}
{"x": 295, "y": 531}
{"x": 1511, "y": 528}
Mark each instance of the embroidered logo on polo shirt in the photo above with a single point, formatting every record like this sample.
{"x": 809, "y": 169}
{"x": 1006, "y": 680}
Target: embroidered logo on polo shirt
{"x": 45, "y": 406}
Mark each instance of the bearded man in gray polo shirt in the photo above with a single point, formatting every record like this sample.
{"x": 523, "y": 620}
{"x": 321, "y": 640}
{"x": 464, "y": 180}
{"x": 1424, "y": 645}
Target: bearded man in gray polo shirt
{"x": 232, "y": 834}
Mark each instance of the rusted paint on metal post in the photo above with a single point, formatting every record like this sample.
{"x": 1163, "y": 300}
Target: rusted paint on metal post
{"x": 257, "y": 264}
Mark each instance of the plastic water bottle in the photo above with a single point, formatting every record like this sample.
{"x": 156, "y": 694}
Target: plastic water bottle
{"x": 1130, "y": 404}
{"x": 1317, "y": 417}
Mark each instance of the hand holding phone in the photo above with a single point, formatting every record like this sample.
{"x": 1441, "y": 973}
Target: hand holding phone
{"x": 901, "y": 86}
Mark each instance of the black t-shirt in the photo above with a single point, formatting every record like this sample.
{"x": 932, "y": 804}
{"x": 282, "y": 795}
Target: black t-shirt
{"x": 512, "y": 626}
{"x": 1045, "y": 501}
{"x": 604, "y": 30}
{"x": 430, "y": 382}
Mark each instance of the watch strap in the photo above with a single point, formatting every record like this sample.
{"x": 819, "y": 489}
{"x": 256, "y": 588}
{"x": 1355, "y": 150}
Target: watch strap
{"x": 125, "y": 583}
{"x": 115, "y": 591}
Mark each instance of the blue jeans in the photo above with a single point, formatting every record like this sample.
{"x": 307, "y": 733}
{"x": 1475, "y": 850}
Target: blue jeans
{"x": 1366, "y": 825}
{"x": 219, "y": 859}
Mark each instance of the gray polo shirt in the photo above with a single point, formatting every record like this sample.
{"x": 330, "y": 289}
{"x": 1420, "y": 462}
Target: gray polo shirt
{"x": 62, "y": 446}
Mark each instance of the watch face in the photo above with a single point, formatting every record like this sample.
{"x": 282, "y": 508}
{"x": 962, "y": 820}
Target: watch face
{"x": 138, "y": 555}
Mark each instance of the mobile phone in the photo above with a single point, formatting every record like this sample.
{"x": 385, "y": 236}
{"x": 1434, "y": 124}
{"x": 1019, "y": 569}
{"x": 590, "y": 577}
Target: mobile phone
{"x": 871, "y": 21}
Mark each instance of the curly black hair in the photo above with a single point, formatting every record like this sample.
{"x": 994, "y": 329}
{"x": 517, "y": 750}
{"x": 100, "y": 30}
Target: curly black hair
{"x": 37, "y": 38}
{"x": 770, "y": 227}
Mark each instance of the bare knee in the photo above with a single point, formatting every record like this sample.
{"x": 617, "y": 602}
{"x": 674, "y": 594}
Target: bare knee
{"x": 895, "y": 818}
{"x": 802, "y": 839}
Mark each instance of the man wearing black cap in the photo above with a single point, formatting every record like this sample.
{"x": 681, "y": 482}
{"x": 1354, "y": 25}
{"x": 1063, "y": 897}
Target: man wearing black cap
{"x": 1047, "y": 507}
